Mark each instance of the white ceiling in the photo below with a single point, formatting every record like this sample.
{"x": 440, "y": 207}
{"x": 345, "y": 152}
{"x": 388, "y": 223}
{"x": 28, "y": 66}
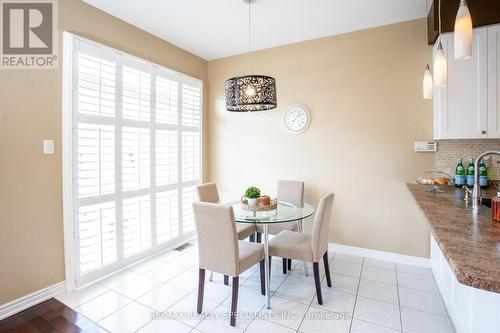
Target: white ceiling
{"x": 219, "y": 28}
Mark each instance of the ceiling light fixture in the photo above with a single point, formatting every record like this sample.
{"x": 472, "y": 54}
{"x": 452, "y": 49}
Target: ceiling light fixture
{"x": 250, "y": 92}
{"x": 463, "y": 32}
{"x": 440, "y": 63}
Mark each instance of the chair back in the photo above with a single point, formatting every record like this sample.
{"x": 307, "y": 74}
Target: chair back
{"x": 319, "y": 237}
{"x": 207, "y": 193}
{"x": 217, "y": 238}
{"x": 291, "y": 191}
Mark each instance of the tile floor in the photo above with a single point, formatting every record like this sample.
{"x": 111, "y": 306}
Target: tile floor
{"x": 367, "y": 296}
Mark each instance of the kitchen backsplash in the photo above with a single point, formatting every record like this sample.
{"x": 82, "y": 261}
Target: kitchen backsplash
{"x": 449, "y": 151}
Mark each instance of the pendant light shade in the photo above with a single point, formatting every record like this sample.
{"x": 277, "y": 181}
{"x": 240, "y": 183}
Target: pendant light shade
{"x": 250, "y": 93}
{"x": 427, "y": 86}
{"x": 440, "y": 68}
{"x": 463, "y": 32}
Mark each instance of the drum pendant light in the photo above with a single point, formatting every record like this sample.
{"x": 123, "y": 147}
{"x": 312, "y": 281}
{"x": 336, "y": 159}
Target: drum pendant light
{"x": 463, "y": 32}
{"x": 440, "y": 62}
{"x": 250, "y": 92}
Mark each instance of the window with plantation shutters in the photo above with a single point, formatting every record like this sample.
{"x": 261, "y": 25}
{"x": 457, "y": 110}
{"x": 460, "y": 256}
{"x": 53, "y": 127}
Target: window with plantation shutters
{"x": 136, "y": 158}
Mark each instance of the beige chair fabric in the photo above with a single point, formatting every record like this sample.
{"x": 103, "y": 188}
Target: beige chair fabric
{"x": 289, "y": 191}
{"x": 208, "y": 193}
{"x": 294, "y": 245}
{"x": 218, "y": 247}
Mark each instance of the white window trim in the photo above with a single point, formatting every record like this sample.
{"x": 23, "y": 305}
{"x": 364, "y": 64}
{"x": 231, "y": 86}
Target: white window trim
{"x": 68, "y": 151}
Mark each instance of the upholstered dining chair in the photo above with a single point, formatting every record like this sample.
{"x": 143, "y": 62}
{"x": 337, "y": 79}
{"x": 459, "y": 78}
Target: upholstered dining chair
{"x": 292, "y": 192}
{"x": 300, "y": 246}
{"x": 208, "y": 193}
{"x": 220, "y": 251}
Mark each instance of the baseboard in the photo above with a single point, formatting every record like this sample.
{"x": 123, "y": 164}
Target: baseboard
{"x": 15, "y": 306}
{"x": 381, "y": 255}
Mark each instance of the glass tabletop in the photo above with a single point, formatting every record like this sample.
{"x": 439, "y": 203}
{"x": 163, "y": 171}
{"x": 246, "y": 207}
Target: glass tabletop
{"x": 285, "y": 212}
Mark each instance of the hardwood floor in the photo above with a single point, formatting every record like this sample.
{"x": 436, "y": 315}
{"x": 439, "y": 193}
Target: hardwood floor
{"x": 49, "y": 316}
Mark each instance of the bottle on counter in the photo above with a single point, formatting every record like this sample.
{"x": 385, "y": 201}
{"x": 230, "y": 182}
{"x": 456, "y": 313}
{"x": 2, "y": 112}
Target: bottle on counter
{"x": 483, "y": 174}
{"x": 495, "y": 208}
{"x": 460, "y": 174}
{"x": 469, "y": 179}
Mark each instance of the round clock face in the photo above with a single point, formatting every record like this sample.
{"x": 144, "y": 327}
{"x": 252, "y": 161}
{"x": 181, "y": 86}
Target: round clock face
{"x": 296, "y": 119}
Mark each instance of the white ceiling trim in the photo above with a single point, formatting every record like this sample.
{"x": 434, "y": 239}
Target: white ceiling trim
{"x": 219, "y": 28}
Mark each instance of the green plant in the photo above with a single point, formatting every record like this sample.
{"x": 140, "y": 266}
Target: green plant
{"x": 252, "y": 193}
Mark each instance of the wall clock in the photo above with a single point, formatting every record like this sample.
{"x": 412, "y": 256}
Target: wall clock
{"x": 296, "y": 119}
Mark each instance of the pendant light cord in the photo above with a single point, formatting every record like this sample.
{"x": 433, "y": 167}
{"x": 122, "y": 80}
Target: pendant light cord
{"x": 439, "y": 18}
{"x": 249, "y": 38}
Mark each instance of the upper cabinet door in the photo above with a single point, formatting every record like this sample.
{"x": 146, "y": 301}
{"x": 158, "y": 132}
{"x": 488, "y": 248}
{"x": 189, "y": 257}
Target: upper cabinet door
{"x": 494, "y": 82}
{"x": 461, "y": 107}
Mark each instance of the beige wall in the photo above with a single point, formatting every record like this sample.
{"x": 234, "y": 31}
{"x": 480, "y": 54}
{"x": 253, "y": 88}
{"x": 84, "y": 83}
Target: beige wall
{"x": 363, "y": 90}
{"x": 31, "y": 225}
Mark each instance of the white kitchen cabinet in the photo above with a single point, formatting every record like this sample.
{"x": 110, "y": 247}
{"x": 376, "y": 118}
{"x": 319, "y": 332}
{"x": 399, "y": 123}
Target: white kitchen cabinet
{"x": 494, "y": 81}
{"x": 461, "y": 108}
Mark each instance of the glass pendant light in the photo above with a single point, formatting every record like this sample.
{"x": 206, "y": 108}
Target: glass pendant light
{"x": 427, "y": 86}
{"x": 250, "y": 92}
{"x": 463, "y": 32}
{"x": 440, "y": 63}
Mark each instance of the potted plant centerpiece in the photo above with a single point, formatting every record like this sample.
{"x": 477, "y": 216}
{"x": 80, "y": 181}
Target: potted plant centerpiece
{"x": 252, "y": 194}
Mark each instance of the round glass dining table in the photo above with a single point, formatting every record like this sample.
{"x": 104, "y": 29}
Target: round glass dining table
{"x": 284, "y": 213}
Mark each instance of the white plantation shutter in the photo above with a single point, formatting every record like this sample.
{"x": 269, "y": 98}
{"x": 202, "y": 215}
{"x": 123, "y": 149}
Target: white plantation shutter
{"x": 137, "y": 158}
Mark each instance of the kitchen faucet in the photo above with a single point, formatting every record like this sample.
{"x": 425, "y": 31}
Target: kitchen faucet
{"x": 476, "y": 191}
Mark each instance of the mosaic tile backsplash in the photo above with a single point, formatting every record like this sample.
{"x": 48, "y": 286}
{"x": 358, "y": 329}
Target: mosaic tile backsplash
{"x": 449, "y": 151}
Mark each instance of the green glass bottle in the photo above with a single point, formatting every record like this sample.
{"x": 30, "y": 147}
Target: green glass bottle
{"x": 483, "y": 174}
{"x": 469, "y": 179}
{"x": 460, "y": 174}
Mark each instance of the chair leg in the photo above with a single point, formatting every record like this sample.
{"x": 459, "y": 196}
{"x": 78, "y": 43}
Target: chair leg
{"x": 252, "y": 238}
{"x": 270, "y": 264}
{"x": 226, "y": 280}
{"x": 259, "y": 237}
{"x": 327, "y": 270}
{"x": 317, "y": 281}
{"x": 284, "y": 265}
{"x": 262, "y": 277}
{"x": 234, "y": 301}
{"x": 289, "y": 264}
{"x": 201, "y": 287}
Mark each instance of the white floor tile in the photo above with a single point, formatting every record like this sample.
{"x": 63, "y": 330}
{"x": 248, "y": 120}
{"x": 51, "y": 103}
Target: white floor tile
{"x": 128, "y": 319}
{"x": 75, "y": 298}
{"x": 344, "y": 283}
{"x": 103, "y": 305}
{"x": 379, "y": 291}
{"x": 188, "y": 280}
{"x": 265, "y": 326}
{"x": 218, "y": 322}
{"x": 345, "y": 267}
{"x": 160, "y": 325}
{"x": 377, "y": 312}
{"x": 335, "y": 301}
{"x": 253, "y": 281}
{"x": 360, "y": 326}
{"x": 418, "y": 282}
{"x": 185, "y": 310}
{"x": 420, "y": 300}
{"x": 348, "y": 257}
{"x": 164, "y": 272}
{"x": 163, "y": 297}
{"x": 185, "y": 260}
{"x": 378, "y": 274}
{"x": 379, "y": 263}
{"x": 319, "y": 321}
{"x": 118, "y": 278}
{"x": 168, "y": 255}
{"x": 414, "y": 270}
{"x": 297, "y": 291}
{"x": 137, "y": 287}
{"x": 216, "y": 291}
{"x": 249, "y": 300}
{"x": 415, "y": 321}
{"x": 285, "y": 312}
{"x": 145, "y": 266}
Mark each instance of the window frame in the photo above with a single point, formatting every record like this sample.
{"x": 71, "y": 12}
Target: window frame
{"x": 73, "y": 278}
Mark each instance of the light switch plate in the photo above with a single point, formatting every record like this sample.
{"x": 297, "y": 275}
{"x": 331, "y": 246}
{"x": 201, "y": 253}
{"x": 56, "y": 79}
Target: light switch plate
{"x": 48, "y": 147}
{"x": 425, "y": 146}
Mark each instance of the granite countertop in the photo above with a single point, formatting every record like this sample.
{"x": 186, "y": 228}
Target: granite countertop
{"x": 469, "y": 241}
